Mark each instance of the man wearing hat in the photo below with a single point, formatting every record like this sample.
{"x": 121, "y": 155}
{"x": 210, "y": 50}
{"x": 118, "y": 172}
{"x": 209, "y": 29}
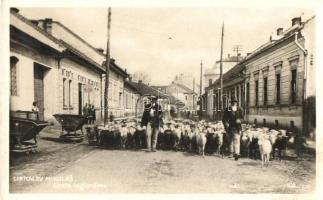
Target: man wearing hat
{"x": 232, "y": 118}
{"x": 152, "y": 119}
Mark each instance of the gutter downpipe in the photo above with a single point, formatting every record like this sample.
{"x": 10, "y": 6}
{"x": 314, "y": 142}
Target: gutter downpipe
{"x": 304, "y": 83}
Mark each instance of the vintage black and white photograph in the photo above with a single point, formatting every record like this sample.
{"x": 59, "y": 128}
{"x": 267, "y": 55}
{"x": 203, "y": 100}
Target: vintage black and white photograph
{"x": 162, "y": 100}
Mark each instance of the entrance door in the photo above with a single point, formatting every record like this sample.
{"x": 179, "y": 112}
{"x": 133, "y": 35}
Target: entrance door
{"x": 39, "y": 89}
{"x": 80, "y": 98}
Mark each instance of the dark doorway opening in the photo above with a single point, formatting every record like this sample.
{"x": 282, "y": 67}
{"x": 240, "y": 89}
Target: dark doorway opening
{"x": 39, "y": 89}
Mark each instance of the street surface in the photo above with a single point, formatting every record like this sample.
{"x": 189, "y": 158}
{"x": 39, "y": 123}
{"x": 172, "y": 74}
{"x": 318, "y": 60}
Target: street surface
{"x": 66, "y": 167}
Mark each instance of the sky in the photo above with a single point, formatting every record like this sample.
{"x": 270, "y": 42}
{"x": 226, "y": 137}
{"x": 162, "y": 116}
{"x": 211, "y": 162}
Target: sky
{"x": 163, "y": 42}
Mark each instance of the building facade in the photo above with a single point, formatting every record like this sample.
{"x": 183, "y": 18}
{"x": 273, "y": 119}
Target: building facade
{"x": 233, "y": 88}
{"x": 53, "y": 66}
{"x": 275, "y": 84}
{"x": 276, "y": 77}
{"x": 188, "y": 80}
{"x": 213, "y": 73}
{"x": 182, "y": 93}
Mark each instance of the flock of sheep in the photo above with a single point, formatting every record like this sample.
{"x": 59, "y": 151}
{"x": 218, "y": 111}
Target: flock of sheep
{"x": 187, "y": 135}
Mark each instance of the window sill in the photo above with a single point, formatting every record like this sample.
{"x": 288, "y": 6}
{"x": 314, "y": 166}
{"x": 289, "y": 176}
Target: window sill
{"x": 68, "y": 107}
{"x": 277, "y": 106}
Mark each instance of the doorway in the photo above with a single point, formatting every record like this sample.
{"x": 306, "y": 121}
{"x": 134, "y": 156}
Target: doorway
{"x": 39, "y": 89}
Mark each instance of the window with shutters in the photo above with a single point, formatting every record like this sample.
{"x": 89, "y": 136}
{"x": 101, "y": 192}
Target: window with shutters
{"x": 13, "y": 76}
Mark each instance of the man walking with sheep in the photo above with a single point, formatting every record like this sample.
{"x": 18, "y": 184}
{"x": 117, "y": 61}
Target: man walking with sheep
{"x": 152, "y": 120}
{"x": 232, "y": 118}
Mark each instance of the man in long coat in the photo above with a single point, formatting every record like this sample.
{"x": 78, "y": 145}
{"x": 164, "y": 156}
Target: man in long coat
{"x": 232, "y": 118}
{"x": 152, "y": 119}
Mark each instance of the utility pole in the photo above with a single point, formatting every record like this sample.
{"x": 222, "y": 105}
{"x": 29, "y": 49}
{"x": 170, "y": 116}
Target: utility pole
{"x": 237, "y": 49}
{"x": 201, "y": 90}
{"x": 221, "y": 70}
{"x": 107, "y": 70}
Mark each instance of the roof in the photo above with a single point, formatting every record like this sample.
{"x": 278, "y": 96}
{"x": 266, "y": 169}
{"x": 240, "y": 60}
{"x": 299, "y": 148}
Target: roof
{"x": 81, "y": 55}
{"x": 184, "y": 87}
{"x": 34, "y": 31}
{"x": 231, "y": 59}
{"x": 116, "y": 68}
{"x": 286, "y": 35}
{"x": 60, "y": 45}
{"x": 78, "y": 37}
{"x": 146, "y": 90}
{"x": 162, "y": 87}
{"x": 233, "y": 74}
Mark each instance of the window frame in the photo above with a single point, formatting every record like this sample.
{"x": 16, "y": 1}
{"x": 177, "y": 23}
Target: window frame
{"x": 278, "y": 89}
{"x": 13, "y": 64}
{"x": 256, "y": 92}
{"x": 265, "y": 93}
{"x": 293, "y": 87}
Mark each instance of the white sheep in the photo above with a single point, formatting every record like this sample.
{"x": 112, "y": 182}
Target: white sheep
{"x": 265, "y": 148}
{"x": 201, "y": 140}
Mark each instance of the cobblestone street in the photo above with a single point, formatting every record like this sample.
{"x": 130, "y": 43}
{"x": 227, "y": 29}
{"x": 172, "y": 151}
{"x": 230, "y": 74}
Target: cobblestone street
{"x": 84, "y": 168}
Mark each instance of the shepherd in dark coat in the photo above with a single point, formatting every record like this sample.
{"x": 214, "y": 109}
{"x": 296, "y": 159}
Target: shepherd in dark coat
{"x": 232, "y": 118}
{"x": 152, "y": 120}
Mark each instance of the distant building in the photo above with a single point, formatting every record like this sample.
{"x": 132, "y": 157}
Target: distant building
{"x": 141, "y": 76}
{"x": 181, "y": 92}
{"x": 212, "y": 74}
{"x": 187, "y": 80}
{"x": 166, "y": 100}
{"x": 233, "y": 87}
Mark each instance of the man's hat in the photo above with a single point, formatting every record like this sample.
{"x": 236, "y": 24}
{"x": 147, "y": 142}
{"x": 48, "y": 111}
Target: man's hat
{"x": 234, "y": 100}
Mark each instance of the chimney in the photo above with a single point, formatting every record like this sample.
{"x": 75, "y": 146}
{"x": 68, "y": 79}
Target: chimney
{"x": 280, "y": 31}
{"x": 239, "y": 54}
{"x": 100, "y": 50}
{"x": 112, "y": 60}
{"x": 15, "y": 10}
{"x": 46, "y": 24}
{"x": 140, "y": 81}
{"x": 35, "y": 22}
{"x": 296, "y": 21}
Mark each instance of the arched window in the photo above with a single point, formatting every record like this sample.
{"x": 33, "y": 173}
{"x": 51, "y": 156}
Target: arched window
{"x": 13, "y": 75}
